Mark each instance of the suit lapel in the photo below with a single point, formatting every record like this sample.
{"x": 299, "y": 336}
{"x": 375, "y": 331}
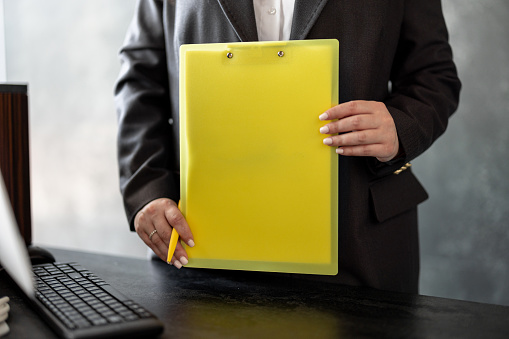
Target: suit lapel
{"x": 241, "y": 16}
{"x": 305, "y": 14}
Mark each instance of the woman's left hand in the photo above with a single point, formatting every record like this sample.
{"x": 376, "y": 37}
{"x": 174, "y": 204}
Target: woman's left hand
{"x": 366, "y": 128}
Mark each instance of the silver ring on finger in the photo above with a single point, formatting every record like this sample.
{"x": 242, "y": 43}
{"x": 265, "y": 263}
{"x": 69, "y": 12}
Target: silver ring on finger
{"x": 151, "y": 234}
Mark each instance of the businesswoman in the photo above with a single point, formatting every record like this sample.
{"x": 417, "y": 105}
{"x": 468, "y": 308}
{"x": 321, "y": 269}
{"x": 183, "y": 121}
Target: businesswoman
{"x": 398, "y": 88}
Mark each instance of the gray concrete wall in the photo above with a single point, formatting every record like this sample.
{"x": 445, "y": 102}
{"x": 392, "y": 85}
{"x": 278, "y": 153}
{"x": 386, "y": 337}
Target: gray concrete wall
{"x": 67, "y": 51}
{"x": 464, "y": 227}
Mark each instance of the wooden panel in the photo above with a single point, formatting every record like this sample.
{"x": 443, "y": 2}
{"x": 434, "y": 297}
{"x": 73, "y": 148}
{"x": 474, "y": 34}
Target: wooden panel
{"x": 14, "y": 153}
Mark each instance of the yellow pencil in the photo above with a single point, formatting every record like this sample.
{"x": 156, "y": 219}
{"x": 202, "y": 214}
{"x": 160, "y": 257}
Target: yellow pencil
{"x": 173, "y": 242}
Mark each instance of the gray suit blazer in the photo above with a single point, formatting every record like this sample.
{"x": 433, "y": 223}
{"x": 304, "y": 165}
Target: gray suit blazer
{"x": 393, "y": 51}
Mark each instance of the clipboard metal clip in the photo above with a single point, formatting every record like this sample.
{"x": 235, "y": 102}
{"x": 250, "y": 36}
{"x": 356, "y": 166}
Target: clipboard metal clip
{"x": 280, "y": 54}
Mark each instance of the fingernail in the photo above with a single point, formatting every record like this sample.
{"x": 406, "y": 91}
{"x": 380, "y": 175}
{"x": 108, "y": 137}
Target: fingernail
{"x": 190, "y": 243}
{"x": 323, "y": 116}
{"x": 324, "y": 130}
{"x": 339, "y": 151}
{"x": 327, "y": 141}
{"x": 169, "y": 263}
{"x": 177, "y": 264}
{"x": 184, "y": 261}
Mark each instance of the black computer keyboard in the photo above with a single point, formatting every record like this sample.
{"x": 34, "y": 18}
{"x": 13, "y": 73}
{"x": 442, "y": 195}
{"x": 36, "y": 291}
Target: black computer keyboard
{"x": 78, "y": 304}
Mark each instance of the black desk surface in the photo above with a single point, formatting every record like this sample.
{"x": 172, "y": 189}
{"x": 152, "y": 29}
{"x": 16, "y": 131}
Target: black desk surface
{"x": 227, "y": 304}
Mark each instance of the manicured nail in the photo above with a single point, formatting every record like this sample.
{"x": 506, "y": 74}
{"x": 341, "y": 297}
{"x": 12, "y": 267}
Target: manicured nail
{"x": 177, "y": 264}
{"x": 327, "y": 141}
{"x": 324, "y": 130}
{"x": 169, "y": 263}
{"x": 323, "y": 116}
{"x": 184, "y": 261}
{"x": 190, "y": 243}
{"x": 339, "y": 151}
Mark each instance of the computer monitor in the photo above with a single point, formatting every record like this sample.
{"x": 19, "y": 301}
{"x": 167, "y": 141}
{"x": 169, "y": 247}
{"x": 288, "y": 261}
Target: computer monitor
{"x": 14, "y": 153}
{"x": 13, "y": 252}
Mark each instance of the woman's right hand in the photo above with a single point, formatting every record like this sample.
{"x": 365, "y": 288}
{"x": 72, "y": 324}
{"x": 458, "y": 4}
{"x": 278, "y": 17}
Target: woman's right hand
{"x": 162, "y": 215}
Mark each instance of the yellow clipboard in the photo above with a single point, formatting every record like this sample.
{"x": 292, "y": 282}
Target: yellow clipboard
{"x": 259, "y": 188}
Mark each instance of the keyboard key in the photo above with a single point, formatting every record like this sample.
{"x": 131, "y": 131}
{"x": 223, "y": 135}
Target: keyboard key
{"x": 98, "y": 322}
{"x": 114, "y": 319}
{"x": 75, "y": 275}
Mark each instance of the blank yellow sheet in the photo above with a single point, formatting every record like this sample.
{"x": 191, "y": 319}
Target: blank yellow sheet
{"x": 259, "y": 188}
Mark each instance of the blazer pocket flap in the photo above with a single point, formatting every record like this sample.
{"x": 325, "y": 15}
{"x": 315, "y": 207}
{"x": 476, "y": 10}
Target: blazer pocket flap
{"x": 396, "y": 194}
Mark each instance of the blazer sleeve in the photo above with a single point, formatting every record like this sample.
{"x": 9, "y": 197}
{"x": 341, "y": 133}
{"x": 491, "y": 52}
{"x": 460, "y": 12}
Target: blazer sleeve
{"x": 144, "y": 139}
{"x": 425, "y": 85}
